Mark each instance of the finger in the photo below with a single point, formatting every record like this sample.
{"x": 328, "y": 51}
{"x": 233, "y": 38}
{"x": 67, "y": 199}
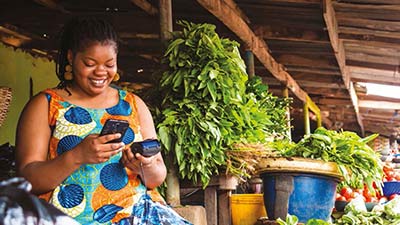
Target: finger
{"x": 109, "y": 137}
{"x": 118, "y": 147}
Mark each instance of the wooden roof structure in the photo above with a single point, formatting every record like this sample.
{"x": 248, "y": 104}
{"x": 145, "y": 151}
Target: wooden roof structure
{"x": 319, "y": 49}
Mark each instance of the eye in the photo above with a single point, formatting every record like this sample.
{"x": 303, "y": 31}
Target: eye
{"x": 110, "y": 66}
{"x": 89, "y": 64}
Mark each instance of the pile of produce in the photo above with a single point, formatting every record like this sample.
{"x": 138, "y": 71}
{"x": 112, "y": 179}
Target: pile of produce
{"x": 346, "y": 193}
{"x": 209, "y": 105}
{"x": 358, "y": 163}
{"x": 355, "y": 213}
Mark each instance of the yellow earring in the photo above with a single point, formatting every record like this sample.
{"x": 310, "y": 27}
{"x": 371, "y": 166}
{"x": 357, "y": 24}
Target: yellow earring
{"x": 116, "y": 77}
{"x": 68, "y": 72}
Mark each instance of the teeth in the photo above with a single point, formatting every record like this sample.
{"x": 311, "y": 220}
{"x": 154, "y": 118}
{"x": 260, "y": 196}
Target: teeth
{"x": 98, "y": 81}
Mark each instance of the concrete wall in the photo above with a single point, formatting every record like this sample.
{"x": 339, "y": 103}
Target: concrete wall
{"x": 16, "y": 69}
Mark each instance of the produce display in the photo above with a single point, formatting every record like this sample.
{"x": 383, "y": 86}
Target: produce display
{"x": 209, "y": 105}
{"x": 359, "y": 164}
{"x": 356, "y": 213}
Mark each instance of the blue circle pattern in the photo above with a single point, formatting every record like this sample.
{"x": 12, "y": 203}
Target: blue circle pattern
{"x": 129, "y": 136}
{"x": 122, "y": 108}
{"x": 106, "y": 213}
{"x": 70, "y": 195}
{"x": 113, "y": 176}
{"x": 67, "y": 143}
{"x": 77, "y": 115}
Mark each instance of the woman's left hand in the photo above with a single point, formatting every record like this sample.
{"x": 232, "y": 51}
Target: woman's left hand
{"x": 134, "y": 162}
{"x": 151, "y": 169}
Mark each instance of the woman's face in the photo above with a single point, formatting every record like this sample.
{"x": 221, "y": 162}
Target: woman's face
{"x": 94, "y": 68}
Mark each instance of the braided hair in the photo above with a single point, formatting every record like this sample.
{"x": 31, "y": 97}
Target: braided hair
{"x": 77, "y": 35}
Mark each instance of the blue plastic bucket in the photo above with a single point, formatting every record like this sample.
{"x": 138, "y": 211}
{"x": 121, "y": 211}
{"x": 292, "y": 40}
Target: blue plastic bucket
{"x": 307, "y": 196}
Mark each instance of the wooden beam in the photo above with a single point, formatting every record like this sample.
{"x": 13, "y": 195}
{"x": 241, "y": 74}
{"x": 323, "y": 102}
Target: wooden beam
{"x": 13, "y": 37}
{"x": 377, "y": 25}
{"x": 146, "y": 6}
{"x": 372, "y": 58}
{"x": 368, "y": 32}
{"x": 337, "y": 45}
{"x": 306, "y": 69}
{"x": 290, "y": 34}
{"x": 51, "y": 4}
{"x": 305, "y": 84}
{"x": 237, "y": 10}
{"x": 382, "y": 2}
{"x": 310, "y": 62}
{"x": 354, "y": 100}
{"x": 335, "y": 102}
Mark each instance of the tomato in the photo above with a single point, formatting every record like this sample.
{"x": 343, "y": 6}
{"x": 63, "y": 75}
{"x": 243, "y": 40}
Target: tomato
{"x": 341, "y": 198}
{"x": 389, "y": 174}
{"x": 393, "y": 196}
{"x": 347, "y": 192}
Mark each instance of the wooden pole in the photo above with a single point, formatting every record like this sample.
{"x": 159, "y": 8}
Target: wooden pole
{"x": 165, "y": 19}
{"x": 285, "y": 93}
{"x": 172, "y": 180}
{"x": 306, "y": 119}
{"x": 249, "y": 58}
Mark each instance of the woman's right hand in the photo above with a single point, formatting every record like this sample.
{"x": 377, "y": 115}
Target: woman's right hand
{"x": 96, "y": 149}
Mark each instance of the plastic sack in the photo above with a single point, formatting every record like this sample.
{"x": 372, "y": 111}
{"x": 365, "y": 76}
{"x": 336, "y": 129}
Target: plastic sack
{"x": 19, "y": 207}
{"x": 148, "y": 212}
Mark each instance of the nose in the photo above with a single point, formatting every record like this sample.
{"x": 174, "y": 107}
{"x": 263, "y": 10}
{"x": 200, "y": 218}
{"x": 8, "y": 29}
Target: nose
{"x": 101, "y": 70}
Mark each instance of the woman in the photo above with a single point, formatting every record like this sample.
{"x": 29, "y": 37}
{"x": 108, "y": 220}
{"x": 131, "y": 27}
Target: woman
{"x": 58, "y": 147}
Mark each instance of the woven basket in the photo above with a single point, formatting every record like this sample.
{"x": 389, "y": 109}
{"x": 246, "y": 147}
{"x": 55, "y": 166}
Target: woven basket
{"x": 5, "y": 100}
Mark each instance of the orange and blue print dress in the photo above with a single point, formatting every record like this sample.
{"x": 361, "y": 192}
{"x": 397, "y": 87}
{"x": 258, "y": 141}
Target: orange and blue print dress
{"x": 104, "y": 193}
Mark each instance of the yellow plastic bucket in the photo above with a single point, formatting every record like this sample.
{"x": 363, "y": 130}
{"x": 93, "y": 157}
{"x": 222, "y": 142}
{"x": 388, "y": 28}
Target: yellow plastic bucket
{"x": 247, "y": 208}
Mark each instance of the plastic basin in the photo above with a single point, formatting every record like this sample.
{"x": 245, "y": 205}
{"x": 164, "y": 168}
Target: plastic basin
{"x": 305, "y": 188}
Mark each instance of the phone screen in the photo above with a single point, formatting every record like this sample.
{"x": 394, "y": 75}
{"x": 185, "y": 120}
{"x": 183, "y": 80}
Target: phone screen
{"x": 113, "y": 126}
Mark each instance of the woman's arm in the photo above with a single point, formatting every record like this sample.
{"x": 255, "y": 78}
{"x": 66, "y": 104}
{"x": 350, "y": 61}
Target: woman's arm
{"x": 154, "y": 170}
{"x": 32, "y": 148}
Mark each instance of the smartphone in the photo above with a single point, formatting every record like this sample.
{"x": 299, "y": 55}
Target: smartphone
{"x": 113, "y": 126}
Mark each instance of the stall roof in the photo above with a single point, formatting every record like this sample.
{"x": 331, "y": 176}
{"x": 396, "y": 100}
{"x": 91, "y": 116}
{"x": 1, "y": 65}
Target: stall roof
{"x": 320, "y": 49}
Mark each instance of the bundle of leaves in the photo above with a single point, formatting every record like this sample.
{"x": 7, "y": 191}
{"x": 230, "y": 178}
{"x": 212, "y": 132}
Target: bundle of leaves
{"x": 357, "y": 161}
{"x": 206, "y": 108}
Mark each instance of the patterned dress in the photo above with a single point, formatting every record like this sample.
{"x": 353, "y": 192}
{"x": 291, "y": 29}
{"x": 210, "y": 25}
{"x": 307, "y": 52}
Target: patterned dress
{"x": 104, "y": 193}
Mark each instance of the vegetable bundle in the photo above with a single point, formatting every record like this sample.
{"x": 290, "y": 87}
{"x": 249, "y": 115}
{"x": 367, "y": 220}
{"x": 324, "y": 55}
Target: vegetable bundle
{"x": 209, "y": 105}
{"x": 358, "y": 163}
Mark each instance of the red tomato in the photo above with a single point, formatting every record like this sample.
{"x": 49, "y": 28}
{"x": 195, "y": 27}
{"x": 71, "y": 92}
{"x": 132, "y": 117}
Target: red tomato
{"x": 341, "y": 198}
{"x": 389, "y": 174}
{"x": 393, "y": 196}
{"x": 347, "y": 192}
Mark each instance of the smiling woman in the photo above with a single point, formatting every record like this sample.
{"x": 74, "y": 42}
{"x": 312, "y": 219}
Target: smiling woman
{"x": 59, "y": 149}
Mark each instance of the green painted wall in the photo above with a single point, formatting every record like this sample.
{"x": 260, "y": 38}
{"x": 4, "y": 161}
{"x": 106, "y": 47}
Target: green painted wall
{"x": 16, "y": 68}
